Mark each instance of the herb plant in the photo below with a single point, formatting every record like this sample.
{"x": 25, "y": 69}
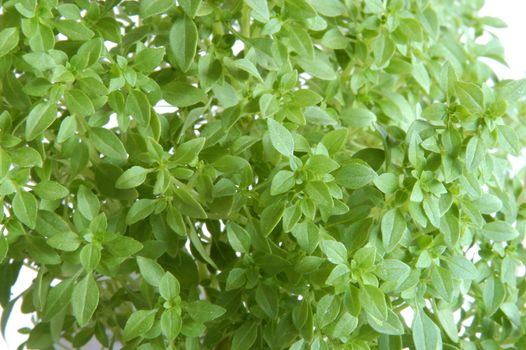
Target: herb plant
{"x": 334, "y": 174}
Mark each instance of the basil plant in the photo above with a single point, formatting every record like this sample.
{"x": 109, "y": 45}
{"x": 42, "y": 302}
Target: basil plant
{"x": 253, "y": 174}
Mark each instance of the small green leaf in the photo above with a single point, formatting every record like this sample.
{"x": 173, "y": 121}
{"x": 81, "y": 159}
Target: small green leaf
{"x": 90, "y": 256}
{"x": 132, "y": 177}
{"x": 79, "y": 103}
{"x": 387, "y": 182}
{"x": 282, "y": 182}
{"x": 66, "y": 241}
{"x": 188, "y": 151}
{"x": 85, "y": 299}
{"x": 187, "y": 204}
{"x": 426, "y": 334}
{"x": 499, "y": 231}
{"x": 123, "y": 246}
{"x": 335, "y": 251}
{"x": 268, "y": 299}
{"x": 74, "y": 30}
{"x": 150, "y": 8}
{"x": 8, "y": 40}
{"x": 245, "y": 336}
{"x": 204, "y": 311}
{"x": 58, "y": 298}
{"x": 281, "y": 138}
{"x": 189, "y": 7}
{"x": 139, "y": 323}
{"x": 183, "y": 38}
{"x": 357, "y": 117}
{"x": 25, "y": 207}
{"x": 138, "y": 106}
{"x": 508, "y": 139}
{"x": 393, "y": 228}
{"x": 26, "y": 157}
{"x": 355, "y": 174}
{"x": 107, "y": 143}
{"x": 259, "y": 10}
{"x": 238, "y": 237}
{"x": 373, "y": 301}
{"x": 151, "y": 271}
{"x": 171, "y": 323}
{"x": 39, "y": 119}
{"x": 51, "y": 190}
{"x": 183, "y": 95}
{"x": 169, "y": 286}
{"x": 87, "y": 203}
{"x": 470, "y": 96}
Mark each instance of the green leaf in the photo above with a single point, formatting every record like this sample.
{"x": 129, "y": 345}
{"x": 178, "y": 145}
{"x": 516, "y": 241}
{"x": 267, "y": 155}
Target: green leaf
{"x": 150, "y": 270}
{"x": 260, "y": 10}
{"x": 387, "y": 182}
{"x": 508, "y": 139}
{"x": 107, "y": 143}
{"x": 139, "y": 323}
{"x": 238, "y": 237}
{"x": 90, "y": 256}
{"x": 66, "y": 241}
{"x": 169, "y": 286}
{"x": 355, "y": 174}
{"x": 150, "y": 8}
{"x": 373, "y": 301}
{"x": 51, "y": 190}
{"x": 123, "y": 247}
{"x": 281, "y": 138}
{"x": 282, "y": 182}
{"x": 357, "y": 117}
{"x": 393, "y": 228}
{"x": 183, "y": 95}
{"x": 374, "y": 6}
{"x": 40, "y": 61}
{"x": 245, "y": 336}
{"x": 247, "y": 66}
{"x": 85, "y": 299}
{"x": 326, "y": 310}
{"x": 335, "y": 251}
{"x": 4, "y": 248}
{"x": 25, "y": 207}
{"x": 74, "y": 30}
{"x": 79, "y": 103}
{"x": 187, "y": 204}
{"x": 470, "y": 96}
{"x": 190, "y": 7}
{"x": 499, "y": 231}
{"x": 267, "y": 299}
{"x": 461, "y": 268}
{"x": 87, "y": 203}
{"x": 421, "y": 76}
{"x": 132, "y": 177}
{"x": 188, "y": 151}
{"x": 426, "y": 334}
{"x": 204, "y": 311}
{"x": 26, "y": 157}
{"x": 171, "y": 323}
{"x": 138, "y": 106}
{"x": 149, "y": 58}
{"x": 475, "y": 153}
{"x": 39, "y": 119}
{"x": 8, "y": 40}
{"x": 183, "y": 38}
{"x": 58, "y": 298}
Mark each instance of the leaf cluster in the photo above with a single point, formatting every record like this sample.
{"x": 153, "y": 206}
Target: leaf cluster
{"x": 325, "y": 169}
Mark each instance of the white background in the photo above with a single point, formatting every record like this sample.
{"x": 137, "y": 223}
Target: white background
{"x": 512, "y": 38}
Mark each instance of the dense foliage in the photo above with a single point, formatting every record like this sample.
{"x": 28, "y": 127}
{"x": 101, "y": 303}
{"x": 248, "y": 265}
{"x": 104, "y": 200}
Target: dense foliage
{"x": 329, "y": 166}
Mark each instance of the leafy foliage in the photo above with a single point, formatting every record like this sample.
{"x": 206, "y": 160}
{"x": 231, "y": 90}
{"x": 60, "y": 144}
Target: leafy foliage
{"x": 327, "y": 166}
